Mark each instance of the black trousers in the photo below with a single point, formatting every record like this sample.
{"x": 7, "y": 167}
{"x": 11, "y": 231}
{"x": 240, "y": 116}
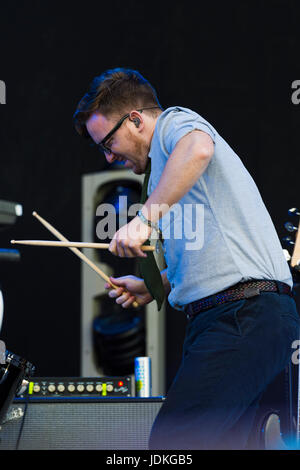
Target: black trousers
{"x": 231, "y": 353}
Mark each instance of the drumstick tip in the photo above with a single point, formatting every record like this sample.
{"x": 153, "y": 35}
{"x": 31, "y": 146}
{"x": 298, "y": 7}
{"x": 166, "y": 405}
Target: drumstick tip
{"x": 34, "y": 214}
{"x": 12, "y": 242}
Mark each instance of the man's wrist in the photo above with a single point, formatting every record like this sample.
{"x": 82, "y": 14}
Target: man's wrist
{"x": 146, "y": 221}
{"x": 150, "y": 224}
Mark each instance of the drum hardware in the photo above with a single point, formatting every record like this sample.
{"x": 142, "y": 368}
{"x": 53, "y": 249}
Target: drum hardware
{"x": 14, "y": 370}
{"x": 14, "y": 375}
{"x": 9, "y": 212}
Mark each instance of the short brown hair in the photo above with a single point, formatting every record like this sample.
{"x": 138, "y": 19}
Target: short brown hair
{"x": 115, "y": 92}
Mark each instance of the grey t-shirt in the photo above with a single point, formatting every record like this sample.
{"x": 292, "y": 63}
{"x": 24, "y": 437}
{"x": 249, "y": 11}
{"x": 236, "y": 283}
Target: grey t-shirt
{"x": 220, "y": 232}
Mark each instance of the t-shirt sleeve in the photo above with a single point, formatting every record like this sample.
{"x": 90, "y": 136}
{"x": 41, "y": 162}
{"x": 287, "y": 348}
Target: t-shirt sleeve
{"x": 179, "y": 123}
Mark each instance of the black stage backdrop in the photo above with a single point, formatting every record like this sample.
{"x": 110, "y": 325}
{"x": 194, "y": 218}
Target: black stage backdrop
{"x": 232, "y": 62}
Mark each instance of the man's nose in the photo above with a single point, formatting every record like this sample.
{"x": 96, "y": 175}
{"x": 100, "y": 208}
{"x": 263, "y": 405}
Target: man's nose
{"x": 110, "y": 157}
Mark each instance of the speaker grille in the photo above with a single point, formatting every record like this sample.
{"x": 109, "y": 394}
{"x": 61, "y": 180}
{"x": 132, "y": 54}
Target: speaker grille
{"x": 65, "y": 426}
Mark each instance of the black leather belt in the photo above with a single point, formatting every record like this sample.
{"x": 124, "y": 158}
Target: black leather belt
{"x": 242, "y": 290}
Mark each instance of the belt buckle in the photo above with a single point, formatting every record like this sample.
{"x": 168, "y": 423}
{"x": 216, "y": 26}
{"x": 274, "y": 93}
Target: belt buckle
{"x": 251, "y": 292}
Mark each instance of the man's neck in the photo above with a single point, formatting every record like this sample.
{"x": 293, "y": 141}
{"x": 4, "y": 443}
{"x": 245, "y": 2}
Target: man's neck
{"x": 151, "y": 128}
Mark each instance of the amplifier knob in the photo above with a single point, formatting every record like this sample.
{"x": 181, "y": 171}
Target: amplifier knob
{"x": 99, "y": 388}
{"x": 51, "y": 388}
{"x": 36, "y": 388}
{"x": 90, "y": 388}
{"x": 71, "y": 388}
{"x": 61, "y": 388}
{"x": 80, "y": 388}
{"x": 109, "y": 388}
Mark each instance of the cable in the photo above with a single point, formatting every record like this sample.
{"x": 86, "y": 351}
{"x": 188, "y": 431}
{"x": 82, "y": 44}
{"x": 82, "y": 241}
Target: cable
{"x": 23, "y": 420}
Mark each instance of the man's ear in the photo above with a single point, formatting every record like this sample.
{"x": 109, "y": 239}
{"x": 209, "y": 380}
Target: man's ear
{"x": 136, "y": 118}
{"x": 137, "y": 122}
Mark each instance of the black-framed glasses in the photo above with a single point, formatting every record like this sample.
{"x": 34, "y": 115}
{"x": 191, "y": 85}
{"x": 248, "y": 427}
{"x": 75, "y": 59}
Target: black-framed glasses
{"x": 102, "y": 145}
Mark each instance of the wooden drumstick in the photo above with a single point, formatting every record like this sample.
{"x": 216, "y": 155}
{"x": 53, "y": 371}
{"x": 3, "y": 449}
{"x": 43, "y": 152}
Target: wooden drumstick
{"x": 101, "y": 246}
{"x": 77, "y": 252}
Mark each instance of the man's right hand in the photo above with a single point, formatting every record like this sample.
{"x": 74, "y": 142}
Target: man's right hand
{"x": 135, "y": 290}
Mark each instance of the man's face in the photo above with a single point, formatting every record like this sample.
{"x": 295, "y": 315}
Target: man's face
{"x": 127, "y": 145}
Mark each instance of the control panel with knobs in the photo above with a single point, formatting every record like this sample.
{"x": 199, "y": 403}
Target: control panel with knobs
{"x": 79, "y": 386}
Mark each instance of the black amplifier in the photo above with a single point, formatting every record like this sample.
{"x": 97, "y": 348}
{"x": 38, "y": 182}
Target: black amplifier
{"x": 99, "y": 387}
{"x": 79, "y": 423}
